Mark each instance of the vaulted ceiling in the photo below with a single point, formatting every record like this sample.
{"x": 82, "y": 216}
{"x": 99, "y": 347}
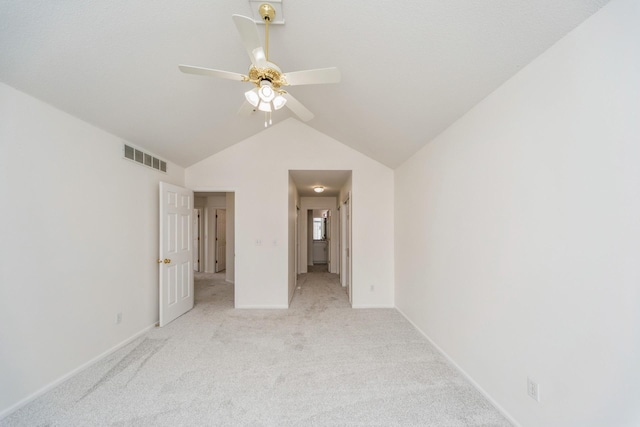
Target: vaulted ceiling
{"x": 409, "y": 68}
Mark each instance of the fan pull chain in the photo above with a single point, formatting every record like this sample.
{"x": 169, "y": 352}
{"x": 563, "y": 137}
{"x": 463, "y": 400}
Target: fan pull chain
{"x": 267, "y": 119}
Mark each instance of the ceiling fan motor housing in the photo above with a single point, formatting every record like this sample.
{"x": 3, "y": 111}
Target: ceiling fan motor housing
{"x": 271, "y": 73}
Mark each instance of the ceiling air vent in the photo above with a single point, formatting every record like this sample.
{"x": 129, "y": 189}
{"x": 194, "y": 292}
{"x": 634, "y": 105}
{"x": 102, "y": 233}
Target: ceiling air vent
{"x": 143, "y": 158}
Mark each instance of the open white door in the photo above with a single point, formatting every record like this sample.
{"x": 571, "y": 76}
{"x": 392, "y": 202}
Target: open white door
{"x": 176, "y": 268}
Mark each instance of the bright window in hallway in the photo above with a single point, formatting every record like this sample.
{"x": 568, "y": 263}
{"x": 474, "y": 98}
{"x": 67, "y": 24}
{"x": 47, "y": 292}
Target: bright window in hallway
{"x": 318, "y": 228}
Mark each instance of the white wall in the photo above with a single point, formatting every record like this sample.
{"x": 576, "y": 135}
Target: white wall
{"x": 79, "y": 234}
{"x": 518, "y": 232}
{"x": 258, "y": 171}
{"x": 199, "y": 202}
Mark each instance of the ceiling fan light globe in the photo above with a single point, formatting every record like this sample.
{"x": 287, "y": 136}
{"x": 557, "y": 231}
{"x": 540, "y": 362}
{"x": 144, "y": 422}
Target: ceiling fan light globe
{"x": 278, "y": 102}
{"x": 252, "y": 97}
{"x": 265, "y": 106}
{"x": 266, "y": 93}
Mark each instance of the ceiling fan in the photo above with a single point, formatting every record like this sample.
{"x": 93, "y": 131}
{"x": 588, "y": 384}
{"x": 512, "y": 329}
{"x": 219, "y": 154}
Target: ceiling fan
{"x": 268, "y": 94}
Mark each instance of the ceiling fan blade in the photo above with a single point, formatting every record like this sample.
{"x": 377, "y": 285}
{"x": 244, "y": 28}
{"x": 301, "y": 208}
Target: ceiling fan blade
{"x": 190, "y": 69}
{"x": 251, "y": 39}
{"x": 246, "y": 109}
{"x": 297, "y": 108}
{"x": 313, "y": 77}
{"x": 259, "y": 57}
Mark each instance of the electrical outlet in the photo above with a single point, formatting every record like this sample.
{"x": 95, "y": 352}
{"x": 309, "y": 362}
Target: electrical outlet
{"x": 533, "y": 390}
{"x": 118, "y": 318}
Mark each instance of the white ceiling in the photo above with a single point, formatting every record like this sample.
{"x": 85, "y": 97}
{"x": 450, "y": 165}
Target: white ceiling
{"x": 332, "y": 181}
{"x": 409, "y": 69}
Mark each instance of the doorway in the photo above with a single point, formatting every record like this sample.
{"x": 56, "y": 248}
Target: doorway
{"x": 319, "y": 238}
{"x": 216, "y": 232}
{"x": 316, "y": 222}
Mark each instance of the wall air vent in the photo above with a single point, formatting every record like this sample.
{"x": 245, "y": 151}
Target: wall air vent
{"x": 143, "y": 158}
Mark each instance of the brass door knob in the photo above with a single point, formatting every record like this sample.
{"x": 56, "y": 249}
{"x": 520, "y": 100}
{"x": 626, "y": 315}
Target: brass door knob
{"x": 166, "y": 261}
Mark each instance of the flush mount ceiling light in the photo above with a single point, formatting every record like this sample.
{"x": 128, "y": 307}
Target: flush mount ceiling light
{"x": 318, "y": 189}
{"x": 268, "y": 94}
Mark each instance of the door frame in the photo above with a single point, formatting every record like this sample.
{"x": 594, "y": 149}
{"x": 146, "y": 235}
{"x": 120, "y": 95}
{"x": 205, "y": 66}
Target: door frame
{"x": 197, "y": 248}
{"x": 346, "y": 250}
{"x": 230, "y": 249}
{"x": 217, "y": 255}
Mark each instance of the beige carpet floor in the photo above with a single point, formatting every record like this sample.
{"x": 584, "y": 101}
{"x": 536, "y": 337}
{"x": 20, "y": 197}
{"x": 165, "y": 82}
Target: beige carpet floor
{"x": 317, "y": 363}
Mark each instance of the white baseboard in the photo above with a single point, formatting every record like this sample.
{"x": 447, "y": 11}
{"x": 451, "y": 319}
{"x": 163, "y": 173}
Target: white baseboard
{"x": 262, "y": 307}
{"x": 361, "y": 306}
{"x": 11, "y": 409}
{"x": 462, "y": 371}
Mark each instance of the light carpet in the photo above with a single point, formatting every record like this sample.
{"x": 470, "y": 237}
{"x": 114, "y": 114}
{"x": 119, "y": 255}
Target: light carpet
{"x": 317, "y": 363}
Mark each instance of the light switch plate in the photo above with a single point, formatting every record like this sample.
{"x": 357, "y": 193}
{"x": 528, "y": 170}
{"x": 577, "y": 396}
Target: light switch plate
{"x": 533, "y": 390}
